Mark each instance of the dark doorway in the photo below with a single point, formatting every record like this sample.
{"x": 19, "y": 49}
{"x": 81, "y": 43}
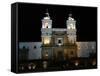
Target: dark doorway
{"x": 60, "y": 56}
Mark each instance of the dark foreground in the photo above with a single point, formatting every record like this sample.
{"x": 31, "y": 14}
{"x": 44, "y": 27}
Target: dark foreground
{"x": 57, "y": 65}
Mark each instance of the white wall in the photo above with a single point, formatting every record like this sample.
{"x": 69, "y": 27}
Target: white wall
{"x": 34, "y": 53}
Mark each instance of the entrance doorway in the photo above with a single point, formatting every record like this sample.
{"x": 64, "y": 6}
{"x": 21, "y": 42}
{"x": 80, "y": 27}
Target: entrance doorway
{"x": 60, "y": 55}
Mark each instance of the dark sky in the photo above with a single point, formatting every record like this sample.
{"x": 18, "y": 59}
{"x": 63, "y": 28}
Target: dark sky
{"x": 30, "y": 16}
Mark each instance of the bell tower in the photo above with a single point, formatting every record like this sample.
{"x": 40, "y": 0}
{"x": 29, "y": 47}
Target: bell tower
{"x": 46, "y": 34}
{"x": 71, "y": 29}
{"x": 46, "y": 29}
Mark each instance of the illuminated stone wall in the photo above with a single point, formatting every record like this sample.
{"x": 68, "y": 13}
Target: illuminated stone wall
{"x": 34, "y": 49}
{"x": 86, "y": 48}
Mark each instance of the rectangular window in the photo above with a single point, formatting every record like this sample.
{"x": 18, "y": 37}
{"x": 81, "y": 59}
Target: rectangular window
{"x": 59, "y": 41}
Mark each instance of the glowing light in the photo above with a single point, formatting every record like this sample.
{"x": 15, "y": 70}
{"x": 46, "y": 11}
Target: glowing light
{"x": 76, "y": 63}
{"x": 22, "y": 68}
{"x": 34, "y": 66}
{"x": 70, "y": 18}
{"x": 46, "y": 40}
{"x": 45, "y": 64}
{"x": 46, "y": 17}
{"x": 46, "y": 54}
{"x": 46, "y": 25}
{"x": 29, "y": 67}
{"x": 71, "y": 26}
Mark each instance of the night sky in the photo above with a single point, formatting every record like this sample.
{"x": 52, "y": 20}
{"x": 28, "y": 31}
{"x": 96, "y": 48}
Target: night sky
{"x": 30, "y": 15}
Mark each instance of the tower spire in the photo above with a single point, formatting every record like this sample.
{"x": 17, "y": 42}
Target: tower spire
{"x": 70, "y": 15}
{"x": 47, "y": 13}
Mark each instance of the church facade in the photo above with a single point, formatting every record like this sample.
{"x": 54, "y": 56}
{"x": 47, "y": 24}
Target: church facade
{"x": 58, "y": 43}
